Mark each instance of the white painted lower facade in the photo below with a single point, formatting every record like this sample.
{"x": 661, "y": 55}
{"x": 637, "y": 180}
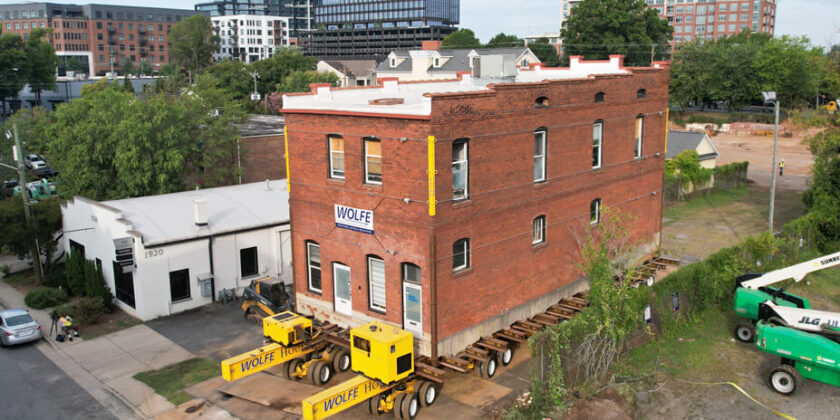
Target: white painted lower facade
{"x": 95, "y": 226}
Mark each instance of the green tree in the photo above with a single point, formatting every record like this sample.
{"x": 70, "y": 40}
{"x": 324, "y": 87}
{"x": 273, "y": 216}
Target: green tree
{"x": 299, "y": 81}
{"x": 823, "y": 195}
{"x": 790, "y": 66}
{"x": 74, "y": 270}
{"x": 232, "y": 77}
{"x": 597, "y": 28}
{"x": 20, "y": 238}
{"x": 545, "y": 52}
{"x": 192, "y": 43}
{"x": 73, "y": 63}
{"x": 274, "y": 70}
{"x": 461, "y": 39}
{"x": 503, "y": 40}
{"x": 13, "y": 67}
{"x": 127, "y": 67}
{"x": 145, "y": 68}
{"x": 42, "y": 62}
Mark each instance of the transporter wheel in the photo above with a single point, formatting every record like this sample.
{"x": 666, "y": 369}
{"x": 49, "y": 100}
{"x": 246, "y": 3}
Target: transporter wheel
{"x": 488, "y": 369}
{"x": 341, "y": 360}
{"x": 784, "y": 379}
{"x": 427, "y": 393}
{"x": 745, "y": 331}
{"x": 320, "y": 373}
{"x": 292, "y": 368}
{"x": 507, "y": 356}
{"x": 409, "y": 407}
{"x": 373, "y": 404}
{"x": 398, "y": 403}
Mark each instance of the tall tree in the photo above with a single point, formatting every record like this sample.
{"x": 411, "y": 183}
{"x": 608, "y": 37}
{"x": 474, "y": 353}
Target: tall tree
{"x": 598, "y": 28}
{"x": 18, "y": 236}
{"x": 233, "y": 77}
{"x": 503, "y": 40}
{"x": 275, "y": 69}
{"x": 42, "y": 62}
{"x": 13, "y": 67}
{"x": 546, "y": 52}
{"x": 192, "y": 43}
{"x": 461, "y": 39}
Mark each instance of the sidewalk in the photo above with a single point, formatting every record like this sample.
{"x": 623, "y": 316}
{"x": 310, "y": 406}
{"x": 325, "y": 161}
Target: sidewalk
{"x": 104, "y": 366}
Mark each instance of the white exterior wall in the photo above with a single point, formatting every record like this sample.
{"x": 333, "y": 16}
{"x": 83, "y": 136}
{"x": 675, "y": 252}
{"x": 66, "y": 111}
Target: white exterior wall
{"x": 240, "y": 31}
{"x": 96, "y": 226}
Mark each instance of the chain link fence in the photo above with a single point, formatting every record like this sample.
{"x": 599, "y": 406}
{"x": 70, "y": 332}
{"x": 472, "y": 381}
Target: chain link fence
{"x": 726, "y": 177}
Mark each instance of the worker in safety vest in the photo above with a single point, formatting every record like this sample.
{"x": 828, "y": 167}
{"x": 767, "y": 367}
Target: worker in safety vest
{"x": 67, "y": 327}
{"x": 781, "y": 167}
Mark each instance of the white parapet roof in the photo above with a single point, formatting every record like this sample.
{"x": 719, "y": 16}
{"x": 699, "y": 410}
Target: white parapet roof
{"x": 414, "y": 98}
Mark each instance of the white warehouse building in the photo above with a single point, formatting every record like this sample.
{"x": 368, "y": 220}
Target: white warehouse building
{"x": 170, "y": 253}
{"x": 250, "y": 38}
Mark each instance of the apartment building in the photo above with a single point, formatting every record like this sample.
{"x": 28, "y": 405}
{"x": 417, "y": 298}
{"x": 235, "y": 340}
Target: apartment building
{"x": 452, "y": 208}
{"x": 99, "y": 36}
{"x": 250, "y": 38}
{"x": 299, "y": 12}
{"x": 566, "y": 7}
{"x": 711, "y": 20}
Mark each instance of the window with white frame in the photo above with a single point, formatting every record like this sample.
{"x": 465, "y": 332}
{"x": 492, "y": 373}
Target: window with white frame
{"x": 376, "y": 283}
{"x": 437, "y": 62}
{"x": 373, "y": 161}
{"x": 461, "y": 254}
{"x": 595, "y": 211}
{"x": 637, "y": 148}
{"x": 411, "y": 273}
{"x": 597, "y": 142}
{"x": 313, "y": 264}
{"x": 538, "y": 231}
{"x": 336, "y": 145}
{"x": 539, "y": 155}
{"x": 460, "y": 169}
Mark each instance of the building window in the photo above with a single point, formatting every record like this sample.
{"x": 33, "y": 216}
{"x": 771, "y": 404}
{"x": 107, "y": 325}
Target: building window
{"x": 538, "y": 231}
{"x": 179, "y": 284}
{"x": 376, "y": 283}
{"x": 595, "y": 211}
{"x": 460, "y": 169}
{"x": 597, "y": 142}
{"x": 542, "y": 102}
{"x": 599, "y": 97}
{"x": 248, "y": 262}
{"x": 637, "y": 148}
{"x": 393, "y": 62}
{"x": 313, "y": 258}
{"x": 373, "y": 161}
{"x": 336, "y": 157}
{"x": 539, "y": 155}
{"x": 437, "y": 62}
{"x": 641, "y": 93}
{"x": 461, "y": 254}
{"x": 411, "y": 273}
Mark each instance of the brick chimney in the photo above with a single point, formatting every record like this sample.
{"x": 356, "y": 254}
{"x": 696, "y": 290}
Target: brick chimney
{"x": 431, "y": 45}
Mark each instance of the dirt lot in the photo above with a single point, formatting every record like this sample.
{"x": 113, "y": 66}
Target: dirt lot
{"x": 758, "y": 150}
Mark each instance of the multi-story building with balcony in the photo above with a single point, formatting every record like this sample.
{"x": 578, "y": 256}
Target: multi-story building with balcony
{"x": 299, "y": 12}
{"x": 711, "y": 20}
{"x": 566, "y": 7}
{"x": 250, "y": 38}
{"x": 101, "y": 37}
{"x": 368, "y": 28}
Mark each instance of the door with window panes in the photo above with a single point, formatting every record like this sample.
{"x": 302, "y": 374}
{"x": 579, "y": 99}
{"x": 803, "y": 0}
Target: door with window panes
{"x": 341, "y": 286}
{"x": 412, "y": 299}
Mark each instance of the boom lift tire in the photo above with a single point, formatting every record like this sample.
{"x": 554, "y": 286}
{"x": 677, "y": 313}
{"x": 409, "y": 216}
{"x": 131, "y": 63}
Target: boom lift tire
{"x": 292, "y": 367}
{"x": 745, "y": 331}
{"x": 488, "y": 369}
{"x": 427, "y": 393}
{"x": 507, "y": 356}
{"x": 340, "y": 360}
{"x": 373, "y": 404}
{"x": 409, "y": 406}
{"x": 320, "y": 372}
{"x": 784, "y": 379}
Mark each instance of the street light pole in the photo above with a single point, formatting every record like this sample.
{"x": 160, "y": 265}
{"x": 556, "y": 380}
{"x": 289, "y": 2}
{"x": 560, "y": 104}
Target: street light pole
{"x": 771, "y": 97}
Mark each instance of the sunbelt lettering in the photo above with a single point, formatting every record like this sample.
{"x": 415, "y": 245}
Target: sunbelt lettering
{"x": 349, "y": 213}
{"x": 338, "y": 400}
{"x": 829, "y": 260}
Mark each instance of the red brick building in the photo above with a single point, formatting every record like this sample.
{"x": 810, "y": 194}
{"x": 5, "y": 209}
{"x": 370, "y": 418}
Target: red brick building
{"x": 521, "y": 167}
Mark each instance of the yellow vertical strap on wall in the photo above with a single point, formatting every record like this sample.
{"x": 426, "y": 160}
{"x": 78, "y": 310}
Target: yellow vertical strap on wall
{"x": 286, "y": 141}
{"x": 432, "y": 172}
{"x": 667, "y": 115}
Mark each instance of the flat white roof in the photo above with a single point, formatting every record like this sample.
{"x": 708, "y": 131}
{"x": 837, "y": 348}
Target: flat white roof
{"x": 171, "y": 217}
{"x": 413, "y": 98}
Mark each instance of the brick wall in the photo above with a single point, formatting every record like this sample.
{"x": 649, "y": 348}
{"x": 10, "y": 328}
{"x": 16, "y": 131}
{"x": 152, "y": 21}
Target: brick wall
{"x": 262, "y": 158}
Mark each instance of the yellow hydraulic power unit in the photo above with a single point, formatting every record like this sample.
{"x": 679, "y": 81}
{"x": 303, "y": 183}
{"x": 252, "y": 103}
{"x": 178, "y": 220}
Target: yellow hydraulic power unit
{"x": 284, "y": 327}
{"x": 382, "y": 352}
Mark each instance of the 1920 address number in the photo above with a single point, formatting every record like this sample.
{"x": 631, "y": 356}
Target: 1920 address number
{"x": 154, "y": 253}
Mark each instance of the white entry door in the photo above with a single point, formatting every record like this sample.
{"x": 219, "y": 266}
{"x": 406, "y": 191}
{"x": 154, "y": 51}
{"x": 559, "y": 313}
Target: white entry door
{"x": 413, "y": 308}
{"x": 341, "y": 285}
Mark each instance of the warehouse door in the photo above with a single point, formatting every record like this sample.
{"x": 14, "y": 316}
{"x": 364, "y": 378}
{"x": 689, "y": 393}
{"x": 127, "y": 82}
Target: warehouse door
{"x": 123, "y": 285}
{"x": 413, "y": 308}
{"x": 341, "y": 285}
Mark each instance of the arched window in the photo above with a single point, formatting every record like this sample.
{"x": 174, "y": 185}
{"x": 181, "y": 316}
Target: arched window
{"x": 597, "y": 143}
{"x": 539, "y": 154}
{"x": 461, "y": 254}
{"x": 538, "y": 231}
{"x": 640, "y": 128}
{"x": 313, "y": 266}
{"x": 542, "y": 102}
{"x": 599, "y": 97}
{"x": 595, "y": 211}
{"x": 460, "y": 169}
{"x": 376, "y": 283}
{"x": 641, "y": 93}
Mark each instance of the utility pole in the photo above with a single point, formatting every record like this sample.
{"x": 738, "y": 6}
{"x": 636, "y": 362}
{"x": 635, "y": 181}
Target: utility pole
{"x": 24, "y": 193}
{"x": 771, "y": 97}
{"x": 255, "y": 96}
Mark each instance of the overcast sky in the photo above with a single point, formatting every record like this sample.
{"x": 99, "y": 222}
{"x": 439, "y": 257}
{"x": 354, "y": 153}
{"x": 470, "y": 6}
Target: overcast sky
{"x": 818, "y": 19}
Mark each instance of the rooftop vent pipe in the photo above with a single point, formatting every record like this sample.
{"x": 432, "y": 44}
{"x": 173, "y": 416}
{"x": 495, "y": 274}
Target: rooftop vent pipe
{"x": 200, "y": 211}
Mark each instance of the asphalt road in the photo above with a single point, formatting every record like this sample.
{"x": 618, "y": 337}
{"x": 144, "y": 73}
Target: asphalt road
{"x": 33, "y": 387}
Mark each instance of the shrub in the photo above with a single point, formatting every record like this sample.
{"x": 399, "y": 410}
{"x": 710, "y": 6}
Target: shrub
{"x": 5, "y": 270}
{"x": 95, "y": 285}
{"x": 56, "y": 278}
{"x": 86, "y": 310}
{"x": 44, "y": 297}
{"x": 75, "y": 273}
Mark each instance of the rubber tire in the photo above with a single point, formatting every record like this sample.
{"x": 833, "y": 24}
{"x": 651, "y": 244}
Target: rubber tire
{"x": 319, "y": 373}
{"x": 488, "y": 369}
{"x": 409, "y": 407}
{"x": 426, "y": 391}
{"x": 784, "y": 374}
{"x": 373, "y": 405}
{"x": 337, "y": 361}
{"x": 291, "y": 368}
{"x": 745, "y": 331}
{"x": 509, "y": 352}
{"x": 398, "y": 402}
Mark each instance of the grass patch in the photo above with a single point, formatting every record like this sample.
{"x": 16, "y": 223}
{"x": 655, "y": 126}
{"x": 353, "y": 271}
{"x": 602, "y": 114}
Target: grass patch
{"x": 170, "y": 381}
{"x": 103, "y": 327}
{"x": 822, "y": 288}
{"x": 718, "y": 199}
{"x": 23, "y": 278}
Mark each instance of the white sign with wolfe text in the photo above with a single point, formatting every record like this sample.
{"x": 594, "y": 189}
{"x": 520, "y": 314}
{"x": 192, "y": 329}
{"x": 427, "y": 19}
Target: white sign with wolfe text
{"x": 352, "y": 218}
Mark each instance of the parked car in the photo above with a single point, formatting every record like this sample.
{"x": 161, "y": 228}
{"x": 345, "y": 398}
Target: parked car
{"x": 10, "y": 183}
{"x": 37, "y": 164}
{"x": 31, "y": 158}
{"x": 46, "y": 172}
{"x": 17, "y": 326}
